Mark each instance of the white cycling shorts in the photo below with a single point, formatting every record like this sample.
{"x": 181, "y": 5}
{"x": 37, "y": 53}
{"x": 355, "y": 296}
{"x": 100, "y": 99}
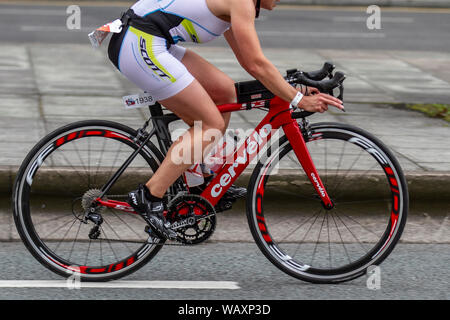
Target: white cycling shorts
{"x": 145, "y": 60}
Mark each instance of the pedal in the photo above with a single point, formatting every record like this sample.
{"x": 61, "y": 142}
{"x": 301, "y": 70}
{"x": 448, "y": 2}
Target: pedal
{"x": 223, "y": 206}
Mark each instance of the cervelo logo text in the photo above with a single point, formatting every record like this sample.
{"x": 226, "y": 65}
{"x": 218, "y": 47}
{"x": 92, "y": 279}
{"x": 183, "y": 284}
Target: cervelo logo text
{"x": 148, "y": 61}
{"x": 322, "y": 192}
{"x": 252, "y": 144}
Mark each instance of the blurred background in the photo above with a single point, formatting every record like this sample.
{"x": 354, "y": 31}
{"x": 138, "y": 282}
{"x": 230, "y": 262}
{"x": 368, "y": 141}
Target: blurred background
{"x": 396, "y": 55}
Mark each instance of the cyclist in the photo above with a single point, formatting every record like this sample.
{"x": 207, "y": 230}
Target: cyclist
{"x": 146, "y": 52}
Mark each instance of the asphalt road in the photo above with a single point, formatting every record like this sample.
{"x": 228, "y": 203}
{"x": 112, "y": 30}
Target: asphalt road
{"x": 413, "y": 271}
{"x": 285, "y": 27}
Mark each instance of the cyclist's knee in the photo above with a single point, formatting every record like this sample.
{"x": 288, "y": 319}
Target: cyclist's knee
{"x": 216, "y": 124}
{"x": 224, "y": 93}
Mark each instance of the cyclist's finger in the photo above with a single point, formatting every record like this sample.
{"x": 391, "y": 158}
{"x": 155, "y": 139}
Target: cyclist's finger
{"x": 329, "y": 97}
{"x": 333, "y": 102}
{"x": 313, "y": 90}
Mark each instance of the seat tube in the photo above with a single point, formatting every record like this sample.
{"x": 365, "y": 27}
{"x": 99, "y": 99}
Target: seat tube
{"x": 295, "y": 137}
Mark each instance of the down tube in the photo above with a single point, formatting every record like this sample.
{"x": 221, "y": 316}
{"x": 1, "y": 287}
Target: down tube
{"x": 235, "y": 165}
{"x": 298, "y": 144}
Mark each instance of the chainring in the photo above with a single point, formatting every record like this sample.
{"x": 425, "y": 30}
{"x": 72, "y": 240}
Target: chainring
{"x": 192, "y": 217}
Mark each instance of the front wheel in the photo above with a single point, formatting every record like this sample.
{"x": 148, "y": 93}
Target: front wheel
{"x": 302, "y": 238}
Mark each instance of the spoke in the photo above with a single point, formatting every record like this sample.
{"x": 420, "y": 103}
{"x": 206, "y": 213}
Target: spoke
{"x": 318, "y": 238}
{"x": 115, "y": 160}
{"x": 100, "y": 160}
{"x": 340, "y": 236}
{"x": 339, "y": 182}
{"x": 358, "y": 223}
{"x": 304, "y": 237}
{"x": 385, "y": 200}
{"x": 81, "y": 161}
{"x": 295, "y": 230}
{"x": 349, "y": 230}
{"x": 74, "y": 241}
{"x": 329, "y": 242}
{"x": 87, "y": 253}
{"x": 109, "y": 243}
{"x": 65, "y": 235}
{"x": 55, "y": 219}
{"x": 117, "y": 235}
{"x": 76, "y": 170}
{"x": 124, "y": 222}
{"x": 66, "y": 185}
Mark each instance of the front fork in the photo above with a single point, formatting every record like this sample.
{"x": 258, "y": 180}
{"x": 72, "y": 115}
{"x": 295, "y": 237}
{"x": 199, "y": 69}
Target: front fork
{"x": 297, "y": 141}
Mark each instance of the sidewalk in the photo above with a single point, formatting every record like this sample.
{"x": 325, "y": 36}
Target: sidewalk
{"x": 43, "y": 87}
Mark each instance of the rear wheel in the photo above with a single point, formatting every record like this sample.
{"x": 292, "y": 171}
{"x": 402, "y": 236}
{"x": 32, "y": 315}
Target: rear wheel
{"x": 59, "y": 180}
{"x": 309, "y": 242}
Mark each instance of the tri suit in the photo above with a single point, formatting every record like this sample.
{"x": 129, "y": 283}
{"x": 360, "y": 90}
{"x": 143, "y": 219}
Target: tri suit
{"x": 146, "y": 49}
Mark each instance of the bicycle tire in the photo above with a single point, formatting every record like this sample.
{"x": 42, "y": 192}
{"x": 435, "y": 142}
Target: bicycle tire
{"x": 55, "y": 158}
{"x": 376, "y": 233}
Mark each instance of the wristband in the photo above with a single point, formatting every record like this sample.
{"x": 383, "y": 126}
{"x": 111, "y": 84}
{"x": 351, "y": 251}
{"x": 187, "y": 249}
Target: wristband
{"x": 298, "y": 97}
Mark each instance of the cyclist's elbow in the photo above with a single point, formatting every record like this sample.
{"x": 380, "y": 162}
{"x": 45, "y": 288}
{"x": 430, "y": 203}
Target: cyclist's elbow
{"x": 256, "y": 67}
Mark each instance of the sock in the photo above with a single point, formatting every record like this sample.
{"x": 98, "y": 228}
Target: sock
{"x": 149, "y": 195}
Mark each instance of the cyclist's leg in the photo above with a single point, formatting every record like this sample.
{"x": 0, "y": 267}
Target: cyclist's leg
{"x": 221, "y": 90}
{"x": 191, "y": 104}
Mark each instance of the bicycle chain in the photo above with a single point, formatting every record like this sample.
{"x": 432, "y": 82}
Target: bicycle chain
{"x": 157, "y": 243}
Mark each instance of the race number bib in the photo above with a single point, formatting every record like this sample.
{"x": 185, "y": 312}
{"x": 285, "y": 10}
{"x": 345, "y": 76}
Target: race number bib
{"x": 138, "y": 100}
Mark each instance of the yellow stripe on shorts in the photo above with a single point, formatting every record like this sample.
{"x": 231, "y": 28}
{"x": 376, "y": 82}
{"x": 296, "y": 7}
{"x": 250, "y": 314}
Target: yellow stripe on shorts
{"x": 190, "y": 29}
{"x": 145, "y": 49}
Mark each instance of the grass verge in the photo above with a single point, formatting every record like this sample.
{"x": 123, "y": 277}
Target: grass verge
{"x": 434, "y": 110}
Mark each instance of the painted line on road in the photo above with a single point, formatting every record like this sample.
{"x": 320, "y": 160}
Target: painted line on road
{"x": 33, "y": 12}
{"x": 383, "y": 19}
{"x": 312, "y": 34}
{"x": 54, "y": 29}
{"x": 303, "y": 34}
{"x": 211, "y": 285}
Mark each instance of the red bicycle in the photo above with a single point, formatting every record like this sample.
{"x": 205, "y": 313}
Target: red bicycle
{"x": 325, "y": 201}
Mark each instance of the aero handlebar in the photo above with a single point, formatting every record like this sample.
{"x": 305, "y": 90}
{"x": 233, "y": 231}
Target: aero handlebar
{"x": 317, "y": 79}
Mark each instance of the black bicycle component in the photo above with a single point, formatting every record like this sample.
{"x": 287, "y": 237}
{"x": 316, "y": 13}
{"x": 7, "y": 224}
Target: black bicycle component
{"x": 321, "y": 74}
{"x": 192, "y": 217}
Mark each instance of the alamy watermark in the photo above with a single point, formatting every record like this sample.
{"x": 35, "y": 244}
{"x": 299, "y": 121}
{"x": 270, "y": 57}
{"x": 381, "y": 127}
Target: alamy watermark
{"x": 373, "y": 22}
{"x": 74, "y": 280}
{"x": 373, "y": 278}
{"x": 73, "y": 21}
{"x": 236, "y": 146}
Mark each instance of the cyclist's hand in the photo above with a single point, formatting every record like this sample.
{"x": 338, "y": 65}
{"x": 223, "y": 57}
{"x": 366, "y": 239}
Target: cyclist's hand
{"x": 319, "y": 102}
{"x": 308, "y": 90}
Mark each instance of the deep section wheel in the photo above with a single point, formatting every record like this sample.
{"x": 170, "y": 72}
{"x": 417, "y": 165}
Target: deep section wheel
{"x": 307, "y": 241}
{"x": 54, "y": 201}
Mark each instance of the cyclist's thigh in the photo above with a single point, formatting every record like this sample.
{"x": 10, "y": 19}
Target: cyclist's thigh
{"x": 194, "y": 104}
{"x": 221, "y": 89}
{"x": 145, "y": 60}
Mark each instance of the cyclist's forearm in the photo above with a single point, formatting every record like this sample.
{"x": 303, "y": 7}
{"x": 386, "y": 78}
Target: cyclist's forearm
{"x": 272, "y": 79}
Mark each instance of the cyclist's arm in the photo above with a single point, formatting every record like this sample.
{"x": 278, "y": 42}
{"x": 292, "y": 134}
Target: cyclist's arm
{"x": 244, "y": 42}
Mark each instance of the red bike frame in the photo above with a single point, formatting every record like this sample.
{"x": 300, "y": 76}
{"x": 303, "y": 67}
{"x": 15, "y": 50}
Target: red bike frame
{"x": 279, "y": 116}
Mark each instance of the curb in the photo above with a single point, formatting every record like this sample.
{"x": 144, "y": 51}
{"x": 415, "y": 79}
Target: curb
{"x": 422, "y": 186}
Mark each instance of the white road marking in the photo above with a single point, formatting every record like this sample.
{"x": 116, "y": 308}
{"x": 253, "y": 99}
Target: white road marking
{"x": 269, "y": 33}
{"x": 119, "y": 284}
{"x": 55, "y": 29}
{"x": 312, "y": 34}
{"x": 33, "y": 12}
{"x": 383, "y": 19}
